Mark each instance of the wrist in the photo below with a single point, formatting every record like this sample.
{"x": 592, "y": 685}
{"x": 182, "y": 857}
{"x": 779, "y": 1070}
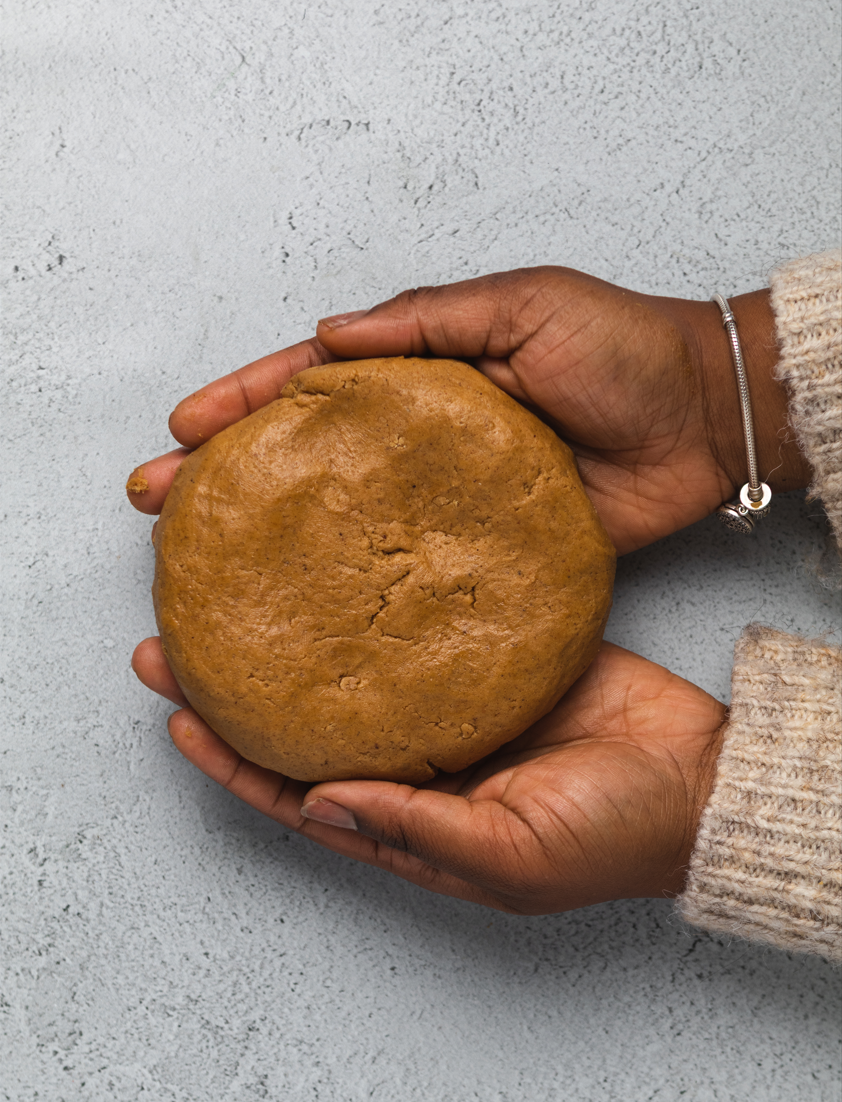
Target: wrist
{"x": 700, "y": 780}
{"x": 780, "y": 462}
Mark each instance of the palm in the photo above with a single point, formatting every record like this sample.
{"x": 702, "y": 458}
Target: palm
{"x": 598, "y": 800}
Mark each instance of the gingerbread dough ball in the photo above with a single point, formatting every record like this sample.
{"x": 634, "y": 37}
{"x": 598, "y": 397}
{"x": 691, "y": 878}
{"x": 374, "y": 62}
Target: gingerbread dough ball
{"x": 393, "y": 569}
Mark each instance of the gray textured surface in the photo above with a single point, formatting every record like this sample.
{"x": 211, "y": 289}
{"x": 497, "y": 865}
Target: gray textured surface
{"x": 189, "y": 186}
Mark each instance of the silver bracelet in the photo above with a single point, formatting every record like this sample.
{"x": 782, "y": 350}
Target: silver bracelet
{"x": 753, "y": 502}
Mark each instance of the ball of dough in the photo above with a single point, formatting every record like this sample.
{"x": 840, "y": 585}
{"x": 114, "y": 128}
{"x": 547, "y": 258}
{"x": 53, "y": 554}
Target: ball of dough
{"x": 391, "y": 570}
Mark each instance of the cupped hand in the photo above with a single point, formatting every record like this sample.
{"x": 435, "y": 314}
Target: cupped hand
{"x": 642, "y": 388}
{"x": 598, "y": 800}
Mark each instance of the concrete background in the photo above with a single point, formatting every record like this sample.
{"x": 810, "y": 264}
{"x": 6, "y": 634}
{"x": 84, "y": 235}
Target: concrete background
{"x": 189, "y": 184}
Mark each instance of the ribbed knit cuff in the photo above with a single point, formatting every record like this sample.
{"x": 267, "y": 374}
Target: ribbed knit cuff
{"x": 767, "y": 863}
{"x": 807, "y": 301}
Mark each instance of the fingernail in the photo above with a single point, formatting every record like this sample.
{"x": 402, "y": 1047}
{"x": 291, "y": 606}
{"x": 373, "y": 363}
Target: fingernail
{"x": 338, "y": 320}
{"x": 326, "y": 811}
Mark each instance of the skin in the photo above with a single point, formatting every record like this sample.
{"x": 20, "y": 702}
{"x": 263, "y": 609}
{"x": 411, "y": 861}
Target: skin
{"x": 601, "y": 799}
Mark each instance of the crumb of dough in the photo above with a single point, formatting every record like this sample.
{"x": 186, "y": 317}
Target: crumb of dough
{"x": 137, "y": 484}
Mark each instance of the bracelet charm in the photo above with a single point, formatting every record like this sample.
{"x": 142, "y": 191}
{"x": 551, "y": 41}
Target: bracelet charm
{"x": 740, "y": 516}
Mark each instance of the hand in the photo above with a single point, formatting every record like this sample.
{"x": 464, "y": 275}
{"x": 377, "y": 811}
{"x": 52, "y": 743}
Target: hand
{"x": 642, "y": 388}
{"x": 598, "y": 800}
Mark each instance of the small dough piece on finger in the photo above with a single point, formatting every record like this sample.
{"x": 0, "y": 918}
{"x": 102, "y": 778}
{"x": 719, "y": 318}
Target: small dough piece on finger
{"x": 137, "y": 483}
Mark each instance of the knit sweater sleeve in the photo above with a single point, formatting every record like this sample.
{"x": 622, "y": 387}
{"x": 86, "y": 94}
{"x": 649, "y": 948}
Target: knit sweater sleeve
{"x": 807, "y": 301}
{"x": 767, "y": 862}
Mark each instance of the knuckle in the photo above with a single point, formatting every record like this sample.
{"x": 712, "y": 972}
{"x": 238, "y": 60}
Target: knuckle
{"x": 396, "y": 831}
{"x": 396, "y": 837}
{"x": 235, "y": 775}
{"x": 413, "y": 299}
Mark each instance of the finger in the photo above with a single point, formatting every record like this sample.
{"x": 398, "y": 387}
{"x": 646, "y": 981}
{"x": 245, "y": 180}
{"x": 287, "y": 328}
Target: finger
{"x": 269, "y": 792}
{"x": 280, "y": 798}
{"x": 480, "y": 842}
{"x": 153, "y": 671}
{"x": 359, "y": 847}
{"x": 477, "y": 317}
{"x": 235, "y": 396}
{"x": 149, "y": 484}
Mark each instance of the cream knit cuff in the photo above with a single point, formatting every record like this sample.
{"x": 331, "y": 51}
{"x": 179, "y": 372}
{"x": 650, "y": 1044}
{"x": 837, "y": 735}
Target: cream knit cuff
{"x": 807, "y": 301}
{"x": 767, "y": 863}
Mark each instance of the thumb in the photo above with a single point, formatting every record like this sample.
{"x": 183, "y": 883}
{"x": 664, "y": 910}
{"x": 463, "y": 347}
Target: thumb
{"x": 477, "y": 317}
{"x": 478, "y": 841}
